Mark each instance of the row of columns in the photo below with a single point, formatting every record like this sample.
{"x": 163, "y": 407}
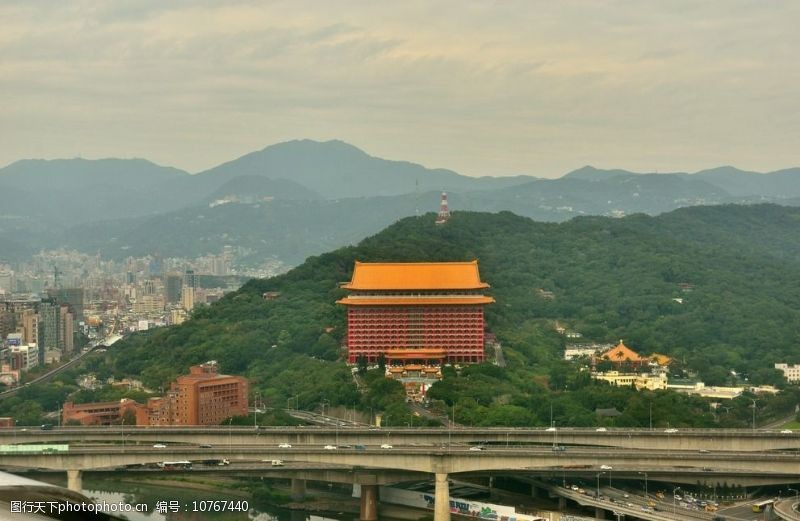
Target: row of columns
{"x": 369, "y": 498}
{"x": 369, "y": 495}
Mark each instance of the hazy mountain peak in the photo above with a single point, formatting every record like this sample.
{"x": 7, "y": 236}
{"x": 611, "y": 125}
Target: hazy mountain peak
{"x": 590, "y": 173}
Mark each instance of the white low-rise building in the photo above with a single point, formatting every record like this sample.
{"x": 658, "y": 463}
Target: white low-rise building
{"x": 650, "y": 382}
{"x": 790, "y": 372}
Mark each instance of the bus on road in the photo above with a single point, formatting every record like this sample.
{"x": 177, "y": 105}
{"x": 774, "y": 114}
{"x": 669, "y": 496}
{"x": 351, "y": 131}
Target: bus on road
{"x": 762, "y": 505}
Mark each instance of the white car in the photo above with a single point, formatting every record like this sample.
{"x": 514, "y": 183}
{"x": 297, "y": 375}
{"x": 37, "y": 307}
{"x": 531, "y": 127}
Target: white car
{"x": 386, "y": 446}
{"x": 550, "y": 429}
{"x": 601, "y": 429}
{"x": 671, "y": 430}
{"x": 284, "y": 446}
{"x": 606, "y": 467}
{"x": 329, "y": 447}
{"x": 786, "y": 431}
{"x": 159, "y": 446}
{"x": 476, "y": 448}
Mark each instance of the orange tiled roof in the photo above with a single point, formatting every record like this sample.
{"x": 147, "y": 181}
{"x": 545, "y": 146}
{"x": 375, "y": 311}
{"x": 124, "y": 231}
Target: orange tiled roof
{"x": 660, "y": 359}
{"x": 621, "y": 353}
{"x": 414, "y": 301}
{"x": 415, "y": 275}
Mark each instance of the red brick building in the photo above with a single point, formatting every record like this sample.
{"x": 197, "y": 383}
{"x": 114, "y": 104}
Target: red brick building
{"x": 105, "y": 413}
{"x": 203, "y": 397}
{"x": 423, "y": 312}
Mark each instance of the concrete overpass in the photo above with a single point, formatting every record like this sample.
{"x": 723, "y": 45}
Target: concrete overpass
{"x": 685, "y": 440}
{"x": 372, "y": 461}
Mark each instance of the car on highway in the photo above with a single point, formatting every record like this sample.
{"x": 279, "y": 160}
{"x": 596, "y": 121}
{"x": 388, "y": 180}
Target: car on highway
{"x": 476, "y": 448}
{"x": 601, "y": 429}
{"x": 703, "y": 451}
{"x": 606, "y": 467}
{"x": 787, "y": 431}
{"x": 205, "y": 446}
{"x": 386, "y": 446}
{"x": 329, "y": 447}
{"x": 551, "y": 429}
{"x": 671, "y": 430}
{"x": 159, "y": 446}
{"x": 284, "y": 446}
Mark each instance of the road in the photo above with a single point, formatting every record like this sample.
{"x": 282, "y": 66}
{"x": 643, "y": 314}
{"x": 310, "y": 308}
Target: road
{"x": 46, "y": 376}
{"x": 787, "y": 509}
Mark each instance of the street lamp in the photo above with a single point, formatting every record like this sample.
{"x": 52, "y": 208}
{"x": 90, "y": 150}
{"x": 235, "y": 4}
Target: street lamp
{"x": 598, "y": 484}
{"x": 230, "y": 435}
{"x": 645, "y": 485}
{"x": 796, "y": 493}
{"x": 122, "y": 433}
{"x": 674, "y": 507}
{"x": 754, "y": 413}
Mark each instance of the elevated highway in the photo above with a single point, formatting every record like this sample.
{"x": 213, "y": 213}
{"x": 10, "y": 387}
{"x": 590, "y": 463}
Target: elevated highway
{"x": 685, "y": 440}
{"x": 771, "y": 456}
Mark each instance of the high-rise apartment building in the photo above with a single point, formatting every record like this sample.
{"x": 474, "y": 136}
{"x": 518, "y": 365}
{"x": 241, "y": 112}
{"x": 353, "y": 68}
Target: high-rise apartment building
{"x": 66, "y": 341}
{"x": 70, "y": 296}
{"x": 173, "y": 286}
{"x": 49, "y": 315}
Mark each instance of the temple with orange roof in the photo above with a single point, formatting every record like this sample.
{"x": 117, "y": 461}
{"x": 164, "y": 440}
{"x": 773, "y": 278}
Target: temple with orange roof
{"x": 621, "y": 354}
{"x": 416, "y": 313}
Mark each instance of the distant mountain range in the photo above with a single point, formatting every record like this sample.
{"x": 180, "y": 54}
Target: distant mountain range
{"x": 301, "y": 198}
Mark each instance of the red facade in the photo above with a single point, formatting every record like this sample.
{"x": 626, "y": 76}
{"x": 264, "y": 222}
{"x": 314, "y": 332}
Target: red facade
{"x": 446, "y": 333}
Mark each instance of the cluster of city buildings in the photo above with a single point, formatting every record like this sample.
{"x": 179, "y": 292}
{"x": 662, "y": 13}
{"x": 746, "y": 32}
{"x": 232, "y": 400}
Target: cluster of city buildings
{"x": 136, "y": 293}
{"x": 59, "y": 300}
{"x": 203, "y": 397}
{"x": 37, "y": 330}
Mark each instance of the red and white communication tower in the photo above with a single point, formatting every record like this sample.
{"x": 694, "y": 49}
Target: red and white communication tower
{"x": 444, "y": 210}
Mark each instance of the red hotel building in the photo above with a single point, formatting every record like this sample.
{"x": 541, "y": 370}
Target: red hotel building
{"x": 416, "y": 313}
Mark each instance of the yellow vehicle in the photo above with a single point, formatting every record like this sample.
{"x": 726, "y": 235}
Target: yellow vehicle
{"x": 761, "y": 505}
{"x": 660, "y": 495}
{"x": 651, "y": 503}
{"x": 711, "y": 508}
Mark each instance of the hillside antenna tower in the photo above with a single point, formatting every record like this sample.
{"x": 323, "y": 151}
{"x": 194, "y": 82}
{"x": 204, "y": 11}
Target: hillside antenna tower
{"x": 444, "y": 210}
{"x": 416, "y": 197}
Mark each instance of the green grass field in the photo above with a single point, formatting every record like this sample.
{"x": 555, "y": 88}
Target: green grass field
{"x": 791, "y": 425}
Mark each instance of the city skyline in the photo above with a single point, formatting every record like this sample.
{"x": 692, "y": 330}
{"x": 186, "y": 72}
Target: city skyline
{"x": 516, "y": 88}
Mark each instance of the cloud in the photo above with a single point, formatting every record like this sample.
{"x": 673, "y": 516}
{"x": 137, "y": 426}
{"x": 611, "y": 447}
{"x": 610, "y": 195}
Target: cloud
{"x": 484, "y": 88}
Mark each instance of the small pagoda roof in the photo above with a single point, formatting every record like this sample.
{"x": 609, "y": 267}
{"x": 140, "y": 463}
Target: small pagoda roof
{"x": 621, "y": 353}
{"x": 415, "y": 276}
{"x": 660, "y": 359}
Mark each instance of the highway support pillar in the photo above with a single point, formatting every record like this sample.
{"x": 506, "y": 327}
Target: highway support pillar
{"x": 298, "y": 492}
{"x": 74, "y": 480}
{"x": 369, "y": 502}
{"x": 599, "y": 513}
{"x": 562, "y": 503}
{"x": 534, "y": 491}
{"x": 441, "y": 508}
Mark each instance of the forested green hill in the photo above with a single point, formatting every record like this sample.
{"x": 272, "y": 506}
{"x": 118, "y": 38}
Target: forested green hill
{"x": 611, "y": 278}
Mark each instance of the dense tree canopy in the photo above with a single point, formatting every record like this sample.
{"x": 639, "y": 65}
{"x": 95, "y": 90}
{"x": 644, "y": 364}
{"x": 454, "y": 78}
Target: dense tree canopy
{"x": 717, "y": 288}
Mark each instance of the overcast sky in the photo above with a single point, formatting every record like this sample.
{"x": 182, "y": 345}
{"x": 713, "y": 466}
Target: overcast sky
{"x": 484, "y": 88}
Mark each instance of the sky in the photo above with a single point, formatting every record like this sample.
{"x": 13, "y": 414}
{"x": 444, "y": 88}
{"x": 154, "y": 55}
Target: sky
{"x": 484, "y": 88}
